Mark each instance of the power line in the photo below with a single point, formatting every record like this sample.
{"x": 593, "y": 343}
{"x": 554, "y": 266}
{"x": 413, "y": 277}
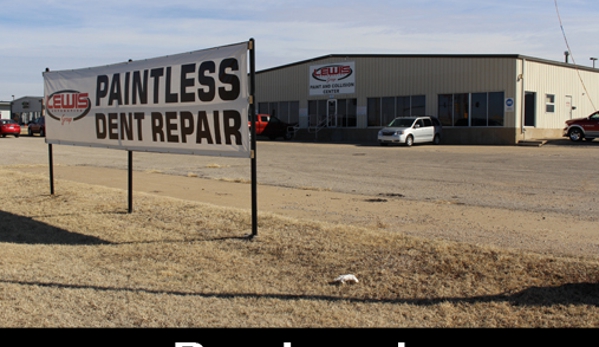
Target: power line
{"x": 572, "y": 55}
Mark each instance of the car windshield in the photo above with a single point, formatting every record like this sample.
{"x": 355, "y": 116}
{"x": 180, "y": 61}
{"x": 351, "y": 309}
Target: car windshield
{"x": 7, "y": 121}
{"x": 402, "y": 122}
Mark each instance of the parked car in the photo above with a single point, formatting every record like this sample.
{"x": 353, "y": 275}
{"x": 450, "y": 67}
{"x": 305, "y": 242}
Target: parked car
{"x": 37, "y": 127}
{"x": 272, "y": 127}
{"x": 411, "y": 130}
{"x": 9, "y": 127}
{"x": 582, "y": 128}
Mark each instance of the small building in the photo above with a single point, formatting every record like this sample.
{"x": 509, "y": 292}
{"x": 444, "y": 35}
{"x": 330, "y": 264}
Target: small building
{"x": 4, "y": 109}
{"x": 479, "y": 99}
{"x": 26, "y": 109}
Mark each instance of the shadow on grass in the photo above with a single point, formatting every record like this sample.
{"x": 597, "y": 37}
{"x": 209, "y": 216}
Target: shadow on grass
{"x": 19, "y": 229}
{"x": 566, "y": 294}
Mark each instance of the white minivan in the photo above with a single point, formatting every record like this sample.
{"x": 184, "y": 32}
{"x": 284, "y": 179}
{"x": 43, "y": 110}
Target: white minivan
{"x": 411, "y": 130}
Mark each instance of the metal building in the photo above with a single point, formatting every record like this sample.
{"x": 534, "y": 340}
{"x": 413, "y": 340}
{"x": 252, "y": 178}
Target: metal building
{"x": 26, "y": 109}
{"x": 480, "y": 99}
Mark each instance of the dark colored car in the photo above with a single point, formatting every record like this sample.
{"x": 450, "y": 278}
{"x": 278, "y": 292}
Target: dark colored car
{"x": 582, "y": 128}
{"x": 272, "y": 127}
{"x": 37, "y": 127}
{"x": 9, "y": 127}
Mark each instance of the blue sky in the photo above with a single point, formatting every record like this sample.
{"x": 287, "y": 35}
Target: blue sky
{"x": 71, "y": 34}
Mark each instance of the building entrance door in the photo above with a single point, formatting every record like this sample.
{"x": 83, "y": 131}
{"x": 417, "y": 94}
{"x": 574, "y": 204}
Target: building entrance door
{"x": 332, "y": 112}
{"x": 569, "y": 106}
{"x": 529, "y": 109}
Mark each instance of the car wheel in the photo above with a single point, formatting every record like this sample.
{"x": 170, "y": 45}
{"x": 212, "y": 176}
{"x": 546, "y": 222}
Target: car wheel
{"x": 3, "y": 135}
{"x": 575, "y": 134}
{"x": 437, "y": 139}
{"x": 42, "y": 133}
{"x": 29, "y": 132}
{"x": 288, "y": 136}
{"x": 409, "y": 140}
{"x": 17, "y": 135}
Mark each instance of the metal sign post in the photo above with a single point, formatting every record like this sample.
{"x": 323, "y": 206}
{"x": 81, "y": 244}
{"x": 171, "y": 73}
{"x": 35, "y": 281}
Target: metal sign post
{"x": 130, "y": 176}
{"x": 51, "y": 167}
{"x": 252, "y": 114}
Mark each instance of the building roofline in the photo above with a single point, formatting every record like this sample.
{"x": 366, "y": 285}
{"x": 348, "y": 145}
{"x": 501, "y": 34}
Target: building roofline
{"x": 491, "y": 56}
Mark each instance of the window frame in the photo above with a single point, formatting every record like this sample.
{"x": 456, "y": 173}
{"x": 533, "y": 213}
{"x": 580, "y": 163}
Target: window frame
{"x": 450, "y": 111}
{"x": 549, "y": 103}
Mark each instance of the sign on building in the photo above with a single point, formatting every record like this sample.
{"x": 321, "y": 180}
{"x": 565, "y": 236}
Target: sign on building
{"x": 332, "y": 79}
{"x": 509, "y": 105}
{"x": 190, "y": 103}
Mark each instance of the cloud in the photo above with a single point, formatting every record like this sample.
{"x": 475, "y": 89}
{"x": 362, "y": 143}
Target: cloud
{"x": 69, "y": 34}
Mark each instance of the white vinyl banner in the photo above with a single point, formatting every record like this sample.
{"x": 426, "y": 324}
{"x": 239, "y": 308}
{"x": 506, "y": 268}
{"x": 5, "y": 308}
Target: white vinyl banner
{"x": 191, "y": 103}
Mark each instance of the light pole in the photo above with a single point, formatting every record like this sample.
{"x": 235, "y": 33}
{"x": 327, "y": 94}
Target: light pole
{"x": 594, "y": 60}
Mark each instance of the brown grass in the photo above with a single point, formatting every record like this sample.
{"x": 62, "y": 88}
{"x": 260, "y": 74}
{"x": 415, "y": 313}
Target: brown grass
{"x": 78, "y": 259}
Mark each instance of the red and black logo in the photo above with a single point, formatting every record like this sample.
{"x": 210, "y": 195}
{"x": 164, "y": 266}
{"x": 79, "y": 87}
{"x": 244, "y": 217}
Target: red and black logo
{"x": 332, "y": 72}
{"x": 68, "y": 104}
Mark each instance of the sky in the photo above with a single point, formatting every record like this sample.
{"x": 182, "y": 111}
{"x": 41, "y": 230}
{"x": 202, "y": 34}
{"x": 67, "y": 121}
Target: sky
{"x": 73, "y": 34}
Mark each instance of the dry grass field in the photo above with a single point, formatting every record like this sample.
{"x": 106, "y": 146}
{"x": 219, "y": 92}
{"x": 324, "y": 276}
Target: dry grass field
{"x": 78, "y": 259}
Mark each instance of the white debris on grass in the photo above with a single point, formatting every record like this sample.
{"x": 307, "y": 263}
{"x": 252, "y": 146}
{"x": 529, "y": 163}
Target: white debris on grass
{"x": 346, "y": 279}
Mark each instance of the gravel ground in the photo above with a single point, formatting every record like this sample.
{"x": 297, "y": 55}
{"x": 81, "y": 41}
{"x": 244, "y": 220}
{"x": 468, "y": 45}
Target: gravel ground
{"x": 539, "y": 199}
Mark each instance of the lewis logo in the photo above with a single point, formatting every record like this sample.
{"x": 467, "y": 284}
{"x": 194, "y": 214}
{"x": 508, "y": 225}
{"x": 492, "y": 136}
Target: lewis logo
{"x": 68, "y": 105}
{"x": 332, "y": 73}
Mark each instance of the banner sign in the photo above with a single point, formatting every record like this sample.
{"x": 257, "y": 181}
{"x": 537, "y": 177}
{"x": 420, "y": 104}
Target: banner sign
{"x": 190, "y": 103}
{"x": 334, "y": 78}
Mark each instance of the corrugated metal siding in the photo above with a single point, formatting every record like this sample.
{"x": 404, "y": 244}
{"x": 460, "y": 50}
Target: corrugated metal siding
{"x": 283, "y": 84}
{"x": 378, "y": 77}
{"x": 397, "y": 76}
{"x": 560, "y": 81}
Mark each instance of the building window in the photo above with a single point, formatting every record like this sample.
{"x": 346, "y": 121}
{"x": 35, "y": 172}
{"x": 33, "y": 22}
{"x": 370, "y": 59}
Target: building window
{"x": 480, "y": 108}
{"x": 388, "y": 109}
{"x": 475, "y": 109}
{"x": 549, "y": 103}
{"x": 403, "y": 106}
{"x": 347, "y": 112}
{"x": 461, "y": 110}
{"x": 381, "y": 111}
{"x": 374, "y": 112}
{"x": 333, "y": 112}
{"x": 495, "y": 110}
{"x": 417, "y": 105}
{"x": 317, "y": 112}
{"x": 287, "y": 111}
{"x": 445, "y": 113}
{"x": 294, "y": 112}
{"x": 273, "y": 109}
{"x": 263, "y": 107}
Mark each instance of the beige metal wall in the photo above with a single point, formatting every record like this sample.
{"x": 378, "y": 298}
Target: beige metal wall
{"x": 561, "y": 80}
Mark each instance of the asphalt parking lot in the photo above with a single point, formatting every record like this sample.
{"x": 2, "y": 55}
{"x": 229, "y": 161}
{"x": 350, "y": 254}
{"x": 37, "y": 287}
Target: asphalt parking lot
{"x": 540, "y": 199}
{"x": 559, "y": 176}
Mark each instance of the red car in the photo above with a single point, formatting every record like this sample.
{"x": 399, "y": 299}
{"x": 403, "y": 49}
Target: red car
{"x": 37, "y": 127}
{"x": 582, "y": 128}
{"x": 9, "y": 127}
